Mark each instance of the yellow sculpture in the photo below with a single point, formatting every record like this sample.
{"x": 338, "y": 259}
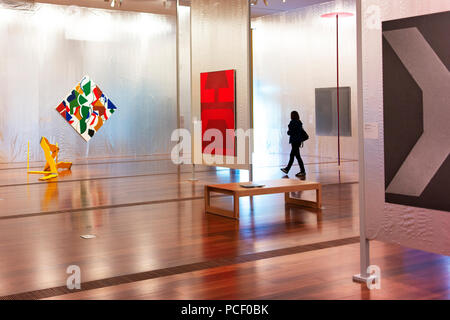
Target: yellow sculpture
{"x": 51, "y": 155}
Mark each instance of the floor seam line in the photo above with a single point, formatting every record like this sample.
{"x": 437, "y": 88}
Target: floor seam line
{"x": 127, "y": 205}
{"x": 182, "y": 269}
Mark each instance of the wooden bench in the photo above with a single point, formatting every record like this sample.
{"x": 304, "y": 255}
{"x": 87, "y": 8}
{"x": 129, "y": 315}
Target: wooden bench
{"x": 285, "y": 186}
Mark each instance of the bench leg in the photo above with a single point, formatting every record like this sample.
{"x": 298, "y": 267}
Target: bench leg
{"x": 319, "y": 197}
{"x": 221, "y": 212}
{"x": 305, "y": 203}
{"x": 236, "y": 206}
{"x": 207, "y": 199}
{"x": 287, "y": 197}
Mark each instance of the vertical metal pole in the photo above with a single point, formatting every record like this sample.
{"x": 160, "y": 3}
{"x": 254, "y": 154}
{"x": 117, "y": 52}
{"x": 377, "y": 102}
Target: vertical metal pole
{"x": 178, "y": 75}
{"x": 250, "y": 48}
{"x": 338, "y": 102}
{"x": 28, "y": 157}
{"x": 364, "y": 242}
{"x": 192, "y": 99}
{"x": 193, "y": 178}
{"x": 193, "y": 173}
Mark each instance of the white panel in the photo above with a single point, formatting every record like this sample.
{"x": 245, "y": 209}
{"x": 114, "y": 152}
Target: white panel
{"x": 184, "y": 23}
{"x": 295, "y": 53}
{"x": 220, "y": 41}
{"x": 412, "y": 227}
{"x": 47, "y": 49}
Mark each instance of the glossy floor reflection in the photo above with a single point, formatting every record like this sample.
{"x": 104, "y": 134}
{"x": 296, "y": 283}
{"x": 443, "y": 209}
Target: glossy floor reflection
{"x": 148, "y": 217}
{"x": 152, "y": 220}
{"x": 127, "y": 183}
{"x": 317, "y": 275}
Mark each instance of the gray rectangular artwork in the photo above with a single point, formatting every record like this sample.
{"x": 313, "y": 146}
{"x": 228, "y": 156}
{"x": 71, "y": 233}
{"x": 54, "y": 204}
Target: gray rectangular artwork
{"x": 416, "y": 81}
{"x": 327, "y": 115}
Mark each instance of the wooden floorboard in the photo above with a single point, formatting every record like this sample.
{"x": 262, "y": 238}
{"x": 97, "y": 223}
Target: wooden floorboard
{"x": 149, "y": 218}
{"x": 314, "y": 275}
{"x": 142, "y": 185}
{"x": 130, "y": 278}
{"x": 37, "y": 250}
{"x": 151, "y": 223}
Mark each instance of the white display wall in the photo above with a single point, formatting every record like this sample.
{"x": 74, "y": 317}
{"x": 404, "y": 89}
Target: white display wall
{"x": 184, "y": 45}
{"x": 414, "y": 227}
{"x": 220, "y": 32}
{"x": 46, "y": 51}
{"x": 295, "y": 53}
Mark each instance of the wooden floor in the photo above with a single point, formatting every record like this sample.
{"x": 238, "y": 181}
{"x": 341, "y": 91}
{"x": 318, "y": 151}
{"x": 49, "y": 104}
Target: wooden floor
{"x": 316, "y": 275}
{"x": 150, "y": 223}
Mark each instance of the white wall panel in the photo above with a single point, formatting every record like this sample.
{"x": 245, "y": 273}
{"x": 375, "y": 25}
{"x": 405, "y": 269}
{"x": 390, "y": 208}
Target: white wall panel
{"x": 47, "y": 49}
{"x": 184, "y": 22}
{"x": 295, "y": 53}
{"x": 409, "y": 226}
{"x": 220, "y": 41}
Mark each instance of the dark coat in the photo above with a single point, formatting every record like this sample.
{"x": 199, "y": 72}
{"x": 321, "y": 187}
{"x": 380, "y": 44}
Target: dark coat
{"x": 295, "y": 130}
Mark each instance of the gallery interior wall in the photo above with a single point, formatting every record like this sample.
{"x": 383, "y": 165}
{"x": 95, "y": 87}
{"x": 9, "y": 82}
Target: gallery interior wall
{"x": 294, "y": 54}
{"x": 46, "y": 51}
{"x": 408, "y": 222}
{"x": 220, "y": 33}
{"x": 184, "y": 27}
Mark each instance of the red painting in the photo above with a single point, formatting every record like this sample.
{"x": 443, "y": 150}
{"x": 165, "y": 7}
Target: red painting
{"x": 218, "y": 105}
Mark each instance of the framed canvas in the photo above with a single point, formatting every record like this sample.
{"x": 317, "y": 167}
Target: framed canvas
{"x": 416, "y": 86}
{"x": 86, "y": 108}
{"x": 218, "y": 110}
{"x": 326, "y": 112}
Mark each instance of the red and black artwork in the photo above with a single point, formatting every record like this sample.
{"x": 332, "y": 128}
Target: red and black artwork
{"x": 218, "y": 105}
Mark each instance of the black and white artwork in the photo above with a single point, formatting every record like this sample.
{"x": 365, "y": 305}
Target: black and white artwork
{"x": 416, "y": 84}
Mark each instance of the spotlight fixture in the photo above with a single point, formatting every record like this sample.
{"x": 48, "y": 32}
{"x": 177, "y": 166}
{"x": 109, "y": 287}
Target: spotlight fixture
{"x": 168, "y": 4}
{"x": 266, "y": 3}
{"x": 114, "y": 3}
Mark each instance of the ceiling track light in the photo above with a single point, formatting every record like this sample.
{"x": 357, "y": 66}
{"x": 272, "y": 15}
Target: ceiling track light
{"x": 168, "y": 4}
{"x": 266, "y": 3}
{"x": 114, "y": 3}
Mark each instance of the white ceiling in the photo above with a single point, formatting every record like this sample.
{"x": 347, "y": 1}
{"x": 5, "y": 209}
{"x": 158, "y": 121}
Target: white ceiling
{"x": 168, "y": 6}
{"x": 276, "y": 6}
{"x": 152, "y": 6}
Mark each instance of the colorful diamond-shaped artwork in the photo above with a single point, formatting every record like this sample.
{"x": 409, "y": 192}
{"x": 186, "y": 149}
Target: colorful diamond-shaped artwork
{"x": 86, "y": 109}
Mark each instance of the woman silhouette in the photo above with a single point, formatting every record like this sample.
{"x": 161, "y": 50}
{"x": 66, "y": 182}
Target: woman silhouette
{"x": 295, "y": 139}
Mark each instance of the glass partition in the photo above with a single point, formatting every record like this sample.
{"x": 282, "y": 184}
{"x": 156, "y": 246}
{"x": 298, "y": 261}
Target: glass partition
{"x": 47, "y": 49}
